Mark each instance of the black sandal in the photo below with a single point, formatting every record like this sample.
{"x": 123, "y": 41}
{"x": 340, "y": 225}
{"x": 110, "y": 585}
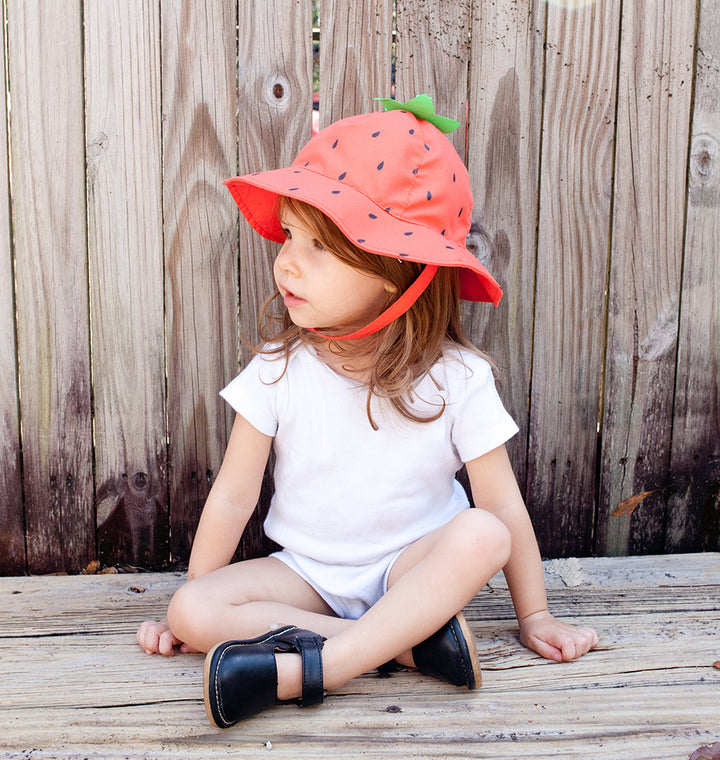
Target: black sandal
{"x": 241, "y": 676}
{"x": 450, "y": 655}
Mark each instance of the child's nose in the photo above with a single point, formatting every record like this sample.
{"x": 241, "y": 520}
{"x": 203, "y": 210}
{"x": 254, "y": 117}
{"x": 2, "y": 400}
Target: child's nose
{"x": 287, "y": 258}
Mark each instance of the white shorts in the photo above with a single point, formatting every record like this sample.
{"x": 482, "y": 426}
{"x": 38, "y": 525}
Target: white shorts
{"x": 349, "y": 590}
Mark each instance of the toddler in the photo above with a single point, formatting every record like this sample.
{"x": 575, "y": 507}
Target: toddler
{"x": 372, "y": 399}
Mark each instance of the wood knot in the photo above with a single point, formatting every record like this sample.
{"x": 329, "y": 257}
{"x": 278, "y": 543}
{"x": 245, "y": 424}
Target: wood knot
{"x": 277, "y": 90}
{"x": 93, "y": 155}
{"x": 704, "y": 157}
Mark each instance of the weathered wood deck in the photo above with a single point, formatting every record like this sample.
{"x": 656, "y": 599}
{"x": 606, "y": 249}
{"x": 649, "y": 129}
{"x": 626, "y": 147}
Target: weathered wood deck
{"x": 73, "y": 683}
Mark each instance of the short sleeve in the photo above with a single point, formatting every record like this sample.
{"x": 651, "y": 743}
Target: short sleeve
{"x": 480, "y": 422}
{"x": 253, "y": 394}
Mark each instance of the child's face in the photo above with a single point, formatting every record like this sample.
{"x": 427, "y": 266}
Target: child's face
{"x": 318, "y": 289}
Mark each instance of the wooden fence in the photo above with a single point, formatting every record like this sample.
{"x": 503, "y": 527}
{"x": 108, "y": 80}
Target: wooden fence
{"x": 126, "y": 279}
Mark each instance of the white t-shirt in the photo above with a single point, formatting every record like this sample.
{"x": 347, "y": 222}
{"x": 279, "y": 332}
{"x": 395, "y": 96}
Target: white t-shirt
{"x": 345, "y": 493}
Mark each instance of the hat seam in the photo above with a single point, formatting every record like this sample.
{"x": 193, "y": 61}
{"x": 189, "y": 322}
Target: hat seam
{"x": 416, "y": 176}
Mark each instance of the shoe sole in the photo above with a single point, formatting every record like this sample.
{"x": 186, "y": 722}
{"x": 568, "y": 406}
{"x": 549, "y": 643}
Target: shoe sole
{"x": 206, "y": 685}
{"x": 469, "y": 639}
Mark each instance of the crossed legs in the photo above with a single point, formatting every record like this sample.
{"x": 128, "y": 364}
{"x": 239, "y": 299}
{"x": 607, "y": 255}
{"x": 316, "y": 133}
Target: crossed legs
{"x": 432, "y": 580}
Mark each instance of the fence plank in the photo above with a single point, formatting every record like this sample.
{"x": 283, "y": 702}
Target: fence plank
{"x": 122, "y": 75}
{"x": 274, "y": 122}
{"x": 48, "y": 164}
{"x": 199, "y": 151}
{"x": 432, "y": 56}
{"x": 576, "y": 174}
{"x": 694, "y": 500}
{"x": 503, "y": 160}
{"x": 355, "y": 56}
{"x": 12, "y": 525}
{"x": 654, "y": 89}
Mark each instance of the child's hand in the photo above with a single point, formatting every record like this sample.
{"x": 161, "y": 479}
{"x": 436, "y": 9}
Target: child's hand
{"x": 554, "y": 639}
{"x": 157, "y": 638}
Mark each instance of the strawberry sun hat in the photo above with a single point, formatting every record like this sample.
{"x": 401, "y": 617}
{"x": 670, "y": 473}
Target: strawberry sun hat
{"x": 394, "y": 185}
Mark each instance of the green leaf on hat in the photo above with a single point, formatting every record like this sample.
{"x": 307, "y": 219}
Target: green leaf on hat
{"x": 422, "y": 106}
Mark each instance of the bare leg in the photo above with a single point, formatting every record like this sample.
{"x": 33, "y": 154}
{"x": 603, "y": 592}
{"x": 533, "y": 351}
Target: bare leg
{"x": 245, "y": 600}
{"x": 433, "y": 580}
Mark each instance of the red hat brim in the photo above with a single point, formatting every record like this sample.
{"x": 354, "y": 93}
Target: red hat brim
{"x": 361, "y": 220}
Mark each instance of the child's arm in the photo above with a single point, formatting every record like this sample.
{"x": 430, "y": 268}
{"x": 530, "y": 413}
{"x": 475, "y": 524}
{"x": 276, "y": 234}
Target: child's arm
{"x": 232, "y": 499}
{"x": 495, "y": 489}
{"x": 229, "y": 505}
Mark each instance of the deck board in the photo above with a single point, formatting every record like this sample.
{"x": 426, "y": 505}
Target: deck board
{"x": 73, "y": 683}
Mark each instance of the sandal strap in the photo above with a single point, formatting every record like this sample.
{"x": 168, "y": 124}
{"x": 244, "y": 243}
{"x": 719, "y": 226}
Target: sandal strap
{"x": 310, "y": 647}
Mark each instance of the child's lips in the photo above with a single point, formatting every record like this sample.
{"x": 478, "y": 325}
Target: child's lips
{"x": 290, "y": 299}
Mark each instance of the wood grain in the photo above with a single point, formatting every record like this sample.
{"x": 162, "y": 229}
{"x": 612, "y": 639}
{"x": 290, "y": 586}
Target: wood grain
{"x": 648, "y": 690}
{"x": 200, "y": 236}
{"x": 574, "y": 220}
{"x": 12, "y": 527}
{"x": 125, "y": 238}
{"x": 433, "y": 55}
{"x": 355, "y": 57}
{"x": 503, "y": 160}
{"x": 693, "y": 505}
{"x": 48, "y": 185}
{"x": 654, "y": 89}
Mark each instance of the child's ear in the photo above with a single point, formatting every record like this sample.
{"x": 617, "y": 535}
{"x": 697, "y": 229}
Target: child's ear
{"x": 390, "y": 287}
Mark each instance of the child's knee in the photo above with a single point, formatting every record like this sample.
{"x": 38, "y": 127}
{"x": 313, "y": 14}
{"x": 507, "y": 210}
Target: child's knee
{"x": 481, "y": 534}
{"x": 184, "y": 611}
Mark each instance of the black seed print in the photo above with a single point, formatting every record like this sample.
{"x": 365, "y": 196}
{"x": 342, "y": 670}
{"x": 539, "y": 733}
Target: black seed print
{"x": 427, "y": 147}
{"x": 453, "y": 176}
{"x": 443, "y": 233}
{"x": 335, "y": 144}
{"x": 404, "y": 254}
{"x": 297, "y": 171}
{"x": 407, "y": 233}
{"x": 416, "y": 170}
{"x": 375, "y": 134}
{"x": 342, "y": 176}
{"x": 460, "y": 213}
{"x": 387, "y": 209}
{"x": 361, "y": 240}
{"x": 412, "y": 131}
{"x": 335, "y": 192}
{"x": 292, "y": 189}
{"x": 372, "y": 216}
{"x": 380, "y": 165}
{"x": 450, "y": 247}
{"x": 429, "y": 195}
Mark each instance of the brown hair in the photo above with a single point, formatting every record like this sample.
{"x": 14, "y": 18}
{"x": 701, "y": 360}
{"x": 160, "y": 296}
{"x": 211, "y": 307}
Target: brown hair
{"x": 401, "y": 352}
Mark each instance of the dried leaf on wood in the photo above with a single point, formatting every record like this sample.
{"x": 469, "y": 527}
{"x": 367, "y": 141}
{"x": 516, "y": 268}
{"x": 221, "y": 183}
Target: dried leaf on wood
{"x": 92, "y": 568}
{"x": 628, "y": 506}
{"x": 710, "y": 752}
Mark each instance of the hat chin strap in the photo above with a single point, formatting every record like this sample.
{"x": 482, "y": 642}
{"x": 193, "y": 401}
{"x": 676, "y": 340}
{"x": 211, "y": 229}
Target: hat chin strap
{"x": 395, "y": 310}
